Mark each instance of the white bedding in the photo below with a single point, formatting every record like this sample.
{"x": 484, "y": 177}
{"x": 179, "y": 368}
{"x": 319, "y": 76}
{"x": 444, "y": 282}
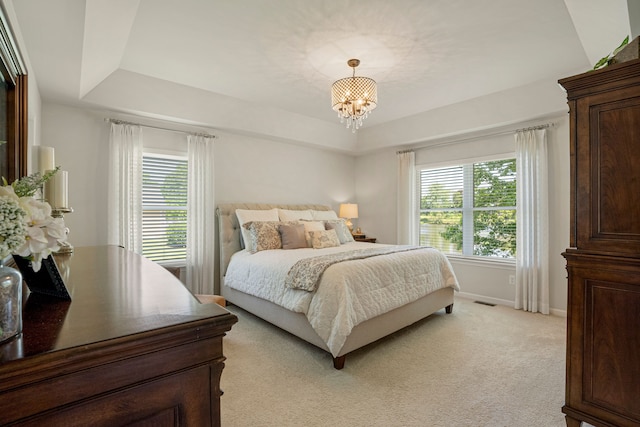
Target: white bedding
{"x": 349, "y": 292}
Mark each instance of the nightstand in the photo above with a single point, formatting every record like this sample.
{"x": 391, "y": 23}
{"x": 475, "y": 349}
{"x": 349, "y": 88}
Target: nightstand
{"x": 365, "y": 239}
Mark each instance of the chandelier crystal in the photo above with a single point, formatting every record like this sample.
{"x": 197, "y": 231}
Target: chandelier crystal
{"x": 353, "y": 98}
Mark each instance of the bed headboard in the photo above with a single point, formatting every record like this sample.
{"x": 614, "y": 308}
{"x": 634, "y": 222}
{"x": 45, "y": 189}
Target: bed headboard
{"x": 229, "y": 228}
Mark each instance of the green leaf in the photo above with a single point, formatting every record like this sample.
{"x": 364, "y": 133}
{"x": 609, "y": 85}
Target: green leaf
{"x": 601, "y": 63}
{"x": 622, "y": 45}
{"x": 28, "y": 185}
{"x": 605, "y": 61}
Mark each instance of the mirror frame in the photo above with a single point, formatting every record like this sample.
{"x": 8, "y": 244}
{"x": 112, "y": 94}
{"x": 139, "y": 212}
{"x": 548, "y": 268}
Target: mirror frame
{"x": 17, "y": 118}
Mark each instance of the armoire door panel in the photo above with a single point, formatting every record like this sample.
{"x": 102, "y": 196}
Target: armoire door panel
{"x": 608, "y": 171}
{"x": 617, "y": 209}
{"x": 611, "y": 370}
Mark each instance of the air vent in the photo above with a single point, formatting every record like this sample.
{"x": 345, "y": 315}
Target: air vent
{"x": 485, "y": 303}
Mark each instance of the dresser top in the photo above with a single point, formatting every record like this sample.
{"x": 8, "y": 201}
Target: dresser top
{"x": 115, "y": 294}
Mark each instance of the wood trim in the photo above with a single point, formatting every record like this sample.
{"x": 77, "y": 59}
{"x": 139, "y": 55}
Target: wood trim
{"x": 617, "y": 76}
{"x": 17, "y": 129}
{"x": 22, "y": 137}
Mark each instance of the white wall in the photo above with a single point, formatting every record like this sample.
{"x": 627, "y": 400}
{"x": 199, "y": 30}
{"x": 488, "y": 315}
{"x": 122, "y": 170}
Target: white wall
{"x": 263, "y": 171}
{"x": 80, "y": 140}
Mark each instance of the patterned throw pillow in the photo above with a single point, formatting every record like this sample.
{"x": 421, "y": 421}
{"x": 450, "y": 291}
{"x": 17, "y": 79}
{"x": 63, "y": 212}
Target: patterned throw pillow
{"x": 340, "y": 226}
{"x": 264, "y": 235}
{"x": 324, "y": 239}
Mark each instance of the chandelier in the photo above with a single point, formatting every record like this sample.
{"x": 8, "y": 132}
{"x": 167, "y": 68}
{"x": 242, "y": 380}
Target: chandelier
{"x": 353, "y": 98}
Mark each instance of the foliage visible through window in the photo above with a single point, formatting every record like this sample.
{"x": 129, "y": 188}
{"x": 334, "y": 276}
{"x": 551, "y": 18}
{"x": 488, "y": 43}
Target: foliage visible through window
{"x": 164, "y": 208}
{"x": 470, "y": 209}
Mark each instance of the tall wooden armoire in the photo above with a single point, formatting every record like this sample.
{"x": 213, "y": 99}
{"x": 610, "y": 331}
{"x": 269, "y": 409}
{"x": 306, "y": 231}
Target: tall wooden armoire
{"x": 603, "y": 262}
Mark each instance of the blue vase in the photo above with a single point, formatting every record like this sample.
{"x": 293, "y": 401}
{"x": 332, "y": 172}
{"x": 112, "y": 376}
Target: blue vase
{"x": 10, "y": 302}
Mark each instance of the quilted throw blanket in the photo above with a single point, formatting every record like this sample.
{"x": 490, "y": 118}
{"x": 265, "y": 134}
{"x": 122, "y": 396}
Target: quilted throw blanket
{"x": 305, "y": 274}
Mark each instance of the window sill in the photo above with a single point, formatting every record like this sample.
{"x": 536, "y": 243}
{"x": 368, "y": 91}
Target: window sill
{"x": 500, "y": 263}
{"x": 180, "y": 263}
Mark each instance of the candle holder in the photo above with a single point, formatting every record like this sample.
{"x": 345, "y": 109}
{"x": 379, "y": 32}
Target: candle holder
{"x": 65, "y": 247}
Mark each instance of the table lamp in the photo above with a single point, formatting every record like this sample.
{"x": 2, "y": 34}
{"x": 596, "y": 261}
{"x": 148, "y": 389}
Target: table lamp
{"x": 349, "y": 211}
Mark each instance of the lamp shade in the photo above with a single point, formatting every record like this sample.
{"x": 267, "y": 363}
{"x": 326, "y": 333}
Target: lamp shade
{"x": 353, "y": 98}
{"x": 348, "y": 210}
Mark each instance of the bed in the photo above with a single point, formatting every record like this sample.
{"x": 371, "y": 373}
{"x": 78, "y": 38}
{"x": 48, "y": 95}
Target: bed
{"x": 297, "y": 310}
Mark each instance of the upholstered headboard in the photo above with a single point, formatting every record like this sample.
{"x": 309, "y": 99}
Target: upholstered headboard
{"x": 229, "y": 228}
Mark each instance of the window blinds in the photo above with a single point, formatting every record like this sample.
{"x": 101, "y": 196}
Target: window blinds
{"x": 164, "y": 208}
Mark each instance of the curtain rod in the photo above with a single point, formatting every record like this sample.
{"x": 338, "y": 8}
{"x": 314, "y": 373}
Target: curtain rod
{"x": 124, "y": 122}
{"x": 547, "y": 125}
{"x": 471, "y": 138}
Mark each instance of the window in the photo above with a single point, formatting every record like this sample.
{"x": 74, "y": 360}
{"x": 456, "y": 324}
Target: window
{"x": 470, "y": 209}
{"x": 164, "y": 207}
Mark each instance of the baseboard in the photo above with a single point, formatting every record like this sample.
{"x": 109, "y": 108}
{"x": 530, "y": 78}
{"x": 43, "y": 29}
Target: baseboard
{"x": 507, "y": 303}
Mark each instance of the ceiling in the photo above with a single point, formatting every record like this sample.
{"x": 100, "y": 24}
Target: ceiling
{"x": 285, "y": 54}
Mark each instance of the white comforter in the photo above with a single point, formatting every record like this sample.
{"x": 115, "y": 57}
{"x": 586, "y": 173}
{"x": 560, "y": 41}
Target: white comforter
{"x": 349, "y": 292}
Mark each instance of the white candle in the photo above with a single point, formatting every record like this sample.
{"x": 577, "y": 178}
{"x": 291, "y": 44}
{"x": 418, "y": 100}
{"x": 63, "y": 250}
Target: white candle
{"x": 57, "y": 190}
{"x": 46, "y": 159}
{"x": 62, "y": 182}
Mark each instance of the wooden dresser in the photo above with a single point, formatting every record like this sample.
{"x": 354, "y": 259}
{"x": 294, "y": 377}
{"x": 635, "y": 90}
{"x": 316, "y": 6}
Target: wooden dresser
{"x": 133, "y": 347}
{"x": 603, "y": 263}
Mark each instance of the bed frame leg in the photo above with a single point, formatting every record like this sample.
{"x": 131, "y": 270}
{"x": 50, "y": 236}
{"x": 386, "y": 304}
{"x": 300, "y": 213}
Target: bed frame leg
{"x": 338, "y": 362}
{"x": 449, "y": 309}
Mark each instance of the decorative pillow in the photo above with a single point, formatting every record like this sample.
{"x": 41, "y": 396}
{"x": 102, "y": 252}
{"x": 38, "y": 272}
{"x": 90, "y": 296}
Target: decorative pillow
{"x": 340, "y": 226}
{"x": 323, "y": 215}
{"x": 264, "y": 235}
{"x": 290, "y": 215}
{"x": 292, "y": 236}
{"x": 247, "y": 215}
{"x": 311, "y": 226}
{"x": 324, "y": 239}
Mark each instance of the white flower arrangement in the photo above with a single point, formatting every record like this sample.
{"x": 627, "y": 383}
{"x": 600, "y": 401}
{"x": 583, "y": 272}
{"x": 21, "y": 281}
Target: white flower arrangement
{"x": 27, "y": 228}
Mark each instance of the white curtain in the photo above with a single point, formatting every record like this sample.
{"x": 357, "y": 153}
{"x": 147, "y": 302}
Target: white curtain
{"x": 532, "y": 258}
{"x": 200, "y": 216}
{"x": 407, "y": 213}
{"x": 124, "y": 198}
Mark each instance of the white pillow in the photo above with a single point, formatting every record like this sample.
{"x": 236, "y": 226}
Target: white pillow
{"x": 248, "y": 215}
{"x": 324, "y": 215}
{"x": 311, "y": 226}
{"x": 291, "y": 215}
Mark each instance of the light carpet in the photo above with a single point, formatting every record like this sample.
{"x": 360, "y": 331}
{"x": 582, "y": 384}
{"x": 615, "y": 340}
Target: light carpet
{"x": 479, "y": 366}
